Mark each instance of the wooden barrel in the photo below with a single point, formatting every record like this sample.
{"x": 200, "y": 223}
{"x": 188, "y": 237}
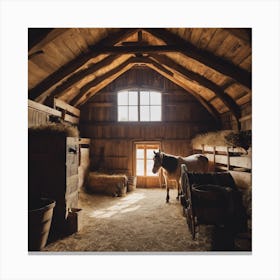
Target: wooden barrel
{"x": 39, "y": 221}
{"x": 211, "y": 203}
{"x": 131, "y": 183}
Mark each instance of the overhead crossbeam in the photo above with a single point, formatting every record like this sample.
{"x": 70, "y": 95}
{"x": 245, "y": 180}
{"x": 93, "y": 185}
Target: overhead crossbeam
{"x": 207, "y": 58}
{"x": 98, "y": 80}
{"x": 85, "y": 90}
{"x": 227, "y": 100}
{"x": 76, "y": 63}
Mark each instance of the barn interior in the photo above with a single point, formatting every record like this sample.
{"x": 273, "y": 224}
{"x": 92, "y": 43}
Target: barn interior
{"x": 101, "y": 101}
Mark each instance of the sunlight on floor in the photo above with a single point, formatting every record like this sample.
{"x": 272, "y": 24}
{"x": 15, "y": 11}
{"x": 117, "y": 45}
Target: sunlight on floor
{"x": 125, "y": 205}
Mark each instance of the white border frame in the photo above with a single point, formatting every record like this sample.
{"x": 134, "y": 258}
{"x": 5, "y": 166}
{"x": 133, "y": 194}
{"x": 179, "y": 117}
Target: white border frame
{"x": 17, "y": 16}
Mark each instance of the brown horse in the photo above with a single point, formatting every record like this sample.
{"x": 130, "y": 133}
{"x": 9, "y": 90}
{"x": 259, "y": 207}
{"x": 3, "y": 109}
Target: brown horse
{"x": 171, "y": 166}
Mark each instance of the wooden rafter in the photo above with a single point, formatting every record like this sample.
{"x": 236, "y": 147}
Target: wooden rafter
{"x": 104, "y": 83}
{"x": 150, "y": 63}
{"x": 227, "y": 100}
{"x": 73, "y": 65}
{"x": 130, "y": 49}
{"x": 153, "y": 65}
{"x": 226, "y": 68}
{"x": 98, "y": 80}
{"x": 77, "y": 76}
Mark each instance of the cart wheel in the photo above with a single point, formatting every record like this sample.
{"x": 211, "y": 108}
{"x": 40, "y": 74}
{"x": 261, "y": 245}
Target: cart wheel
{"x": 191, "y": 222}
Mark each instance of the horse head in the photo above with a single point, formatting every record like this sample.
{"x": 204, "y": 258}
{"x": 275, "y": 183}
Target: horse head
{"x": 157, "y": 161}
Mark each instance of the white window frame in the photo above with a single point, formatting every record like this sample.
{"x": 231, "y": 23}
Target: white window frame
{"x": 139, "y": 117}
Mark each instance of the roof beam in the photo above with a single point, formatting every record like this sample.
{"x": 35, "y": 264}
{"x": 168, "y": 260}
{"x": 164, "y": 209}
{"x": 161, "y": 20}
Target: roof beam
{"x": 131, "y": 49}
{"x": 226, "y": 68}
{"x": 158, "y": 68}
{"x": 76, "y": 63}
{"x": 76, "y": 101}
{"x": 77, "y": 76}
{"x": 227, "y": 100}
{"x": 97, "y": 81}
{"x": 104, "y": 83}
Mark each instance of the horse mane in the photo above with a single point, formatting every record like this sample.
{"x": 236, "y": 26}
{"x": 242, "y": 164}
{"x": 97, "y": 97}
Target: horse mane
{"x": 169, "y": 162}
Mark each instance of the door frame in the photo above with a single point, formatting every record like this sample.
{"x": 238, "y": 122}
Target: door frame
{"x": 148, "y": 180}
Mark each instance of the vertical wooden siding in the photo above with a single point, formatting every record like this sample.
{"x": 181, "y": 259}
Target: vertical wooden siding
{"x": 228, "y": 122}
{"x": 112, "y": 142}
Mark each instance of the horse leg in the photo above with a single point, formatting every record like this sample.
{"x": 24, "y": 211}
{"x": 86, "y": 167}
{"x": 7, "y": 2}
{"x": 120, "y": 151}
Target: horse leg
{"x": 167, "y": 189}
{"x": 167, "y": 194}
{"x": 178, "y": 187}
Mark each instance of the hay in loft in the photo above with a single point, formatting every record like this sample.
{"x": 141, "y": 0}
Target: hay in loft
{"x": 241, "y": 139}
{"x": 54, "y": 129}
{"x": 217, "y": 138}
{"x": 114, "y": 185}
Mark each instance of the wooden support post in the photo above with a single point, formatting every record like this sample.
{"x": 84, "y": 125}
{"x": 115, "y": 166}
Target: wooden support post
{"x": 214, "y": 157}
{"x": 228, "y": 158}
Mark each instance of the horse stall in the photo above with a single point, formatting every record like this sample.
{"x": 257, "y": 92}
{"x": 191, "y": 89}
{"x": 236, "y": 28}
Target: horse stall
{"x": 115, "y": 116}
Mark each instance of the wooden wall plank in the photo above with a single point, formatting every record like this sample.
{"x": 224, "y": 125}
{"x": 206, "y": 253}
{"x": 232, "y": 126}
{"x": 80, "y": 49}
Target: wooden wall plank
{"x": 65, "y": 106}
{"x": 112, "y": 141}
{"x": 43, "y": 108}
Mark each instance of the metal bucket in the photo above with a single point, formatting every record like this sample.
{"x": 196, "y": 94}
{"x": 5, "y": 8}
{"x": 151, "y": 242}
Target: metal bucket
{"x": 131, "y": 183}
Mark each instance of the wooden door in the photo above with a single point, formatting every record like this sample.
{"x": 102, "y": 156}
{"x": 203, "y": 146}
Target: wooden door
{"x": 144, "y": 153}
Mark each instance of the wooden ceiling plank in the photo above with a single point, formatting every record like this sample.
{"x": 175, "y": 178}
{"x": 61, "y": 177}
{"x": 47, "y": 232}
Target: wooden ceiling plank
{"x": 195, "y": 36}
{"x": 217, "y": 39}
{"x": 45, "y": 65}
{"x": 205, "y": 57}
{"x": 56, "y": 54}
{"x": 187, "y": 33}
{"x": 37, "y": 40}
{"x": 76, "y": 63}
{"x": 244, "y": 34}
{"x": 243, "y": 53}
{"x": 206, "y": 36}
{"x": 247, "y": 63}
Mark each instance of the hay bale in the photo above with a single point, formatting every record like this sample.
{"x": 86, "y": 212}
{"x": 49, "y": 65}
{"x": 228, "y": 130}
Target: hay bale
{"x": 114, "y": 185}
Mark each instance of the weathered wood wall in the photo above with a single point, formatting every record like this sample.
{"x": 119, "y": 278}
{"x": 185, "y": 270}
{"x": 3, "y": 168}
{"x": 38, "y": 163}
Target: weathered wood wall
{"x": 112, "y": 142}
{"x": 228, "y": 121}
{"x": 38, "y": 114}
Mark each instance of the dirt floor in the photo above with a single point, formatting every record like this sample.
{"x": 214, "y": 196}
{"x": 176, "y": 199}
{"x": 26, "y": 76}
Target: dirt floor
{"x": 141, "y": 221}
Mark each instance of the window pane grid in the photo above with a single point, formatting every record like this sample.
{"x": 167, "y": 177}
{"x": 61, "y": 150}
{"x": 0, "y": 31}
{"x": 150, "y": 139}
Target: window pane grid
{"x": 141, "y": 105}
{"x": 144, "y": 159}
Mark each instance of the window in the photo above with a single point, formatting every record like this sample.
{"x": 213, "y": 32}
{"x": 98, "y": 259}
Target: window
{"x": 144, "y": 159}
{"x": 139, "y": 105}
